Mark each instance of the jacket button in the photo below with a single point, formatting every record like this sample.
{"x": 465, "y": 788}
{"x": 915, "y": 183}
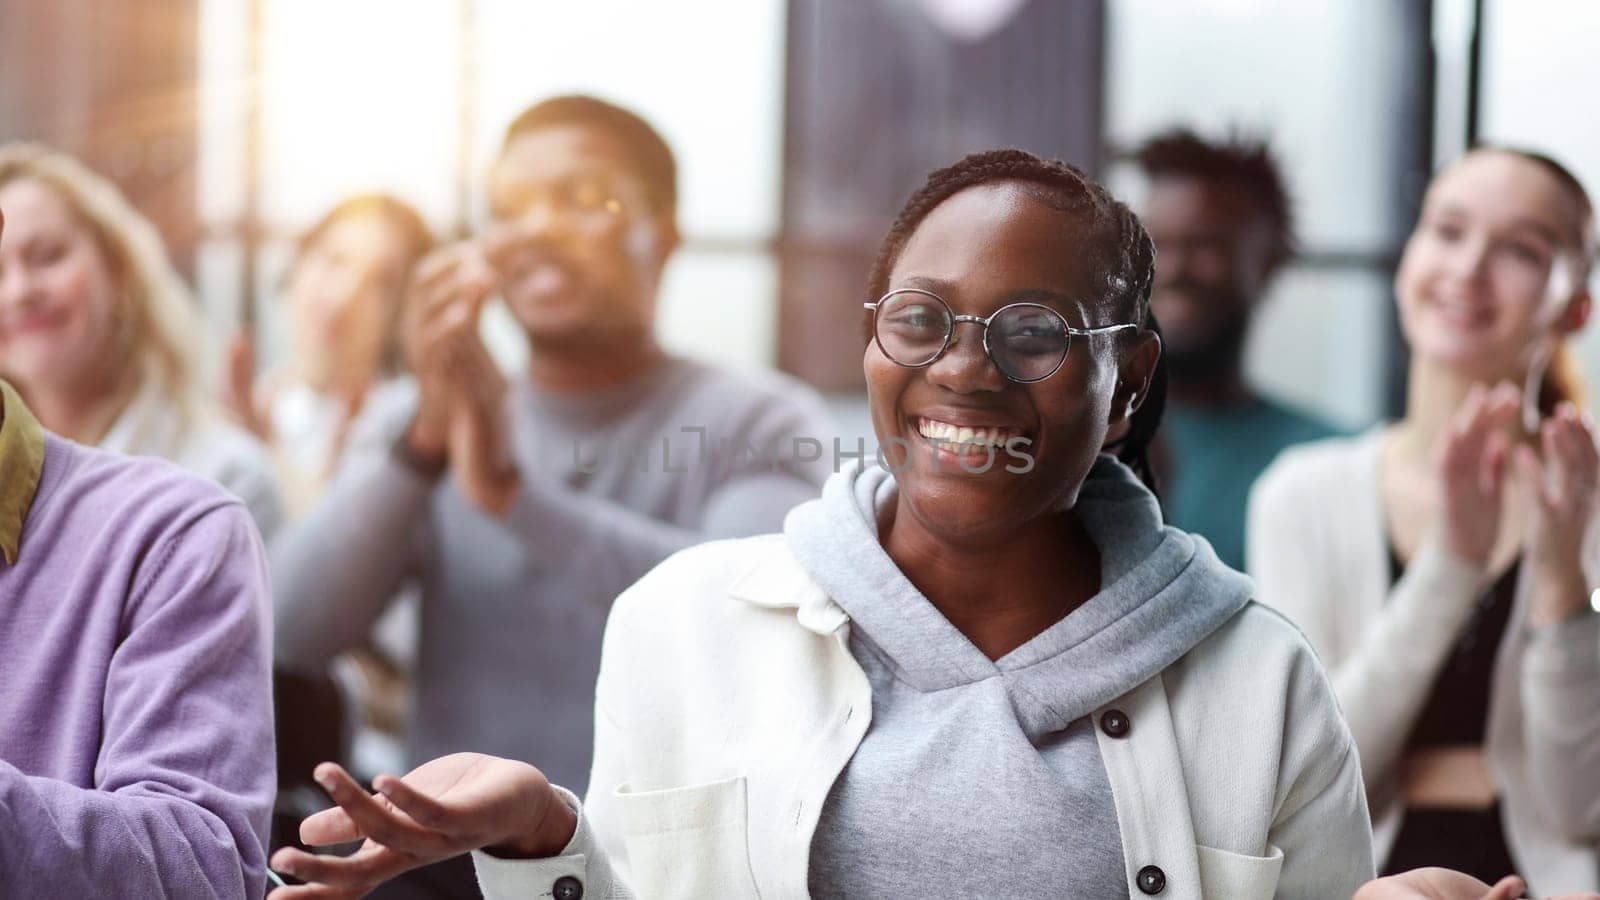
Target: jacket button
{"x": 1152, "y": 880}
{"x": 1114, "y": 722}
{"x": 569, "y": 888}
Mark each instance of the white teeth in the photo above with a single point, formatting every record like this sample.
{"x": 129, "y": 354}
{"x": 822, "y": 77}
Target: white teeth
{"x": 944, "y": 432}
{"x": 1464, "y": 313}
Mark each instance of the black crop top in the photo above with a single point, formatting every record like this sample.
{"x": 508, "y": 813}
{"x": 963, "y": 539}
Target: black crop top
{"x": 1457, "y": 709}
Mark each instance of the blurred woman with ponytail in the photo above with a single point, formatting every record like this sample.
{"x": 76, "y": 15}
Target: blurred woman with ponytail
{"x": 341, "y": 300}
{"x": 958, "y": 674}
{"x": 1442, "y": 565}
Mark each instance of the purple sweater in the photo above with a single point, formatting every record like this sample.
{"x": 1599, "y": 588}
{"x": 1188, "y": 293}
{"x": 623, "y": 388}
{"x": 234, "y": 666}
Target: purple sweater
{"x": 136, "y": 749}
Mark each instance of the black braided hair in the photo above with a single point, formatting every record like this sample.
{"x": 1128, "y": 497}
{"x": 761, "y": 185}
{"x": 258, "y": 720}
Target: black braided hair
{"x": 1133, "y": 447}
{"x": 1121, "y": 252}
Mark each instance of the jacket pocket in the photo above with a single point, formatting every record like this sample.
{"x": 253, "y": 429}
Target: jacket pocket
{"x": 688, "y": 841}
{"x": 1234, "y": 876}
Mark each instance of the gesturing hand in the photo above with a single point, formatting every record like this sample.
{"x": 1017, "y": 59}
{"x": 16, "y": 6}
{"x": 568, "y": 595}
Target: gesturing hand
{"x": 1561, "y": 479}
{"x": 1472, "y": 468}
{"x": 1448, "y": 884}
{"x": 1439, "y": 884}
{"x": 239, "y": 388}
{"x": 442, "y": 809}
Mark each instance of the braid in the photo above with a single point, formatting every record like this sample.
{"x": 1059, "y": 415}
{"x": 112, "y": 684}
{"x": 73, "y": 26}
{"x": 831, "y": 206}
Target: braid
{"x": 1068, "y": 188}
{"x": 1122, "y": 253}
{"x": 1133, "y": 447}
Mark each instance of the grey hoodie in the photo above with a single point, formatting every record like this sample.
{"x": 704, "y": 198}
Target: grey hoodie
{"x": 980, "y": 777}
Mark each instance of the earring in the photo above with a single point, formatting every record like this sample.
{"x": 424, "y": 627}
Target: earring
{"x": 1531, "y": 386}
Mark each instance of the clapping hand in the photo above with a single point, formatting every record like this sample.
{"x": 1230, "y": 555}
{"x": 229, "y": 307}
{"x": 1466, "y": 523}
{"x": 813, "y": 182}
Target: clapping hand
{"x": 1561, "y": 479}
{"x": 461, "y": 413}
{"x": 480, "y": 436}
{"x": 1472, "y": 463}
{"x": 446, "y": 295}
{"x": 239, "y": 387}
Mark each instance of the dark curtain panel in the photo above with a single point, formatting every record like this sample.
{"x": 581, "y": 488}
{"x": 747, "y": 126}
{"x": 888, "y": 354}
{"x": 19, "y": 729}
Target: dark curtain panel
{"x": 1412, "y": 114}
{"x": 878, "y": 95}
{"x": 114, "y": 84}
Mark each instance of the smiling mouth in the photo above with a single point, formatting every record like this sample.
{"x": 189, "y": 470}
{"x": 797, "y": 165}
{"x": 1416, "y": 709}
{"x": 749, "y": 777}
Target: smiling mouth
{"x": 30, "y": 322}
{"x": 541, "y": 279}
{"x": 1472, "y": 315}
{"x": 953, "y": 437}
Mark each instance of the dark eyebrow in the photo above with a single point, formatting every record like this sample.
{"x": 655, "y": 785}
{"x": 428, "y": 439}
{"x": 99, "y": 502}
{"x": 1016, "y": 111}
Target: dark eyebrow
{"x": 1075, "y": 309}
{"x": 1026, "y": 295}
{"x": 1540, "y": 228}
{"x": 1047, "y": 297}
{"x": 932, "y": 285}
{"x": 1522, "y": 223}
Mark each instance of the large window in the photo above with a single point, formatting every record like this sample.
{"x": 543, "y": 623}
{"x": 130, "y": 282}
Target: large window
{"x": 368, "y": 94}
{"x": 1321, "y": 79}
{"x": 1537, "y": 83}
{"x": 411, "y": 98}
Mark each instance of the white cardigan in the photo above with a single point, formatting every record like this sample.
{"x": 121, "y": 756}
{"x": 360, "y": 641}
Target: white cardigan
{"x": 153, "y": 425}
{"x": 1317, "y": 547}
{"x": 728, "y": 702}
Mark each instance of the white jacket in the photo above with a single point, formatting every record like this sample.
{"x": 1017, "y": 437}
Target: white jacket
{"x": 728, "y": 702}
{"x": 1317, "y": 546}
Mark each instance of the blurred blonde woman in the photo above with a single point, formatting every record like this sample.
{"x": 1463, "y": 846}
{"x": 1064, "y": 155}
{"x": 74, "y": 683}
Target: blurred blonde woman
{"x": 99, "y": 334}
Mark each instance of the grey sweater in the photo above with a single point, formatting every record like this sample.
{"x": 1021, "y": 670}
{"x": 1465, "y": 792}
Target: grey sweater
{"x": 512, "y": 611}
{"x": 980, "y": 777}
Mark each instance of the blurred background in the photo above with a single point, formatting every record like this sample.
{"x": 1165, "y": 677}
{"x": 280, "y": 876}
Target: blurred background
{"x": 800, "y": 127}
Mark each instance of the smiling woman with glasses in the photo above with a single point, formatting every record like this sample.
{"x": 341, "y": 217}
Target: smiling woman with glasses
{"x": 940, "y": 680}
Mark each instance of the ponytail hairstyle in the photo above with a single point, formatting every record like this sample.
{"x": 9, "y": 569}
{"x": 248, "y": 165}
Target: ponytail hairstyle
{"x": 1119, "y": 249}
{"x": 1133, "y": 447}
{"x": 1561, "y": 381}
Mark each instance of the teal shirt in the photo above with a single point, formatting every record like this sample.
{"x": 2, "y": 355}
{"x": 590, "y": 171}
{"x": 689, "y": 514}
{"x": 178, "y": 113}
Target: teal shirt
{"x": 1216, "y": 456}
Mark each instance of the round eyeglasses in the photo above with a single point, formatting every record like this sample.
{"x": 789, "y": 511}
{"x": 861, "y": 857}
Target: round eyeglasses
{"x": 1027, "y": 342}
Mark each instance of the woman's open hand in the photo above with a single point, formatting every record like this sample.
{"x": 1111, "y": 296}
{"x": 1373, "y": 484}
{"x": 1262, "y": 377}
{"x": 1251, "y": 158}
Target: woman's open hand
{"x": 1472, "y": 471}
{"x": 442, "y": 809}
{"x": 1562, "y": 479}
